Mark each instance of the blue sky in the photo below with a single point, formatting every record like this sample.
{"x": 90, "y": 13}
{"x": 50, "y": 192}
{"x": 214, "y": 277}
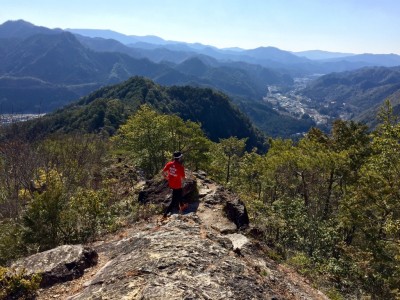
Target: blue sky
{"x": 356, "y": 26}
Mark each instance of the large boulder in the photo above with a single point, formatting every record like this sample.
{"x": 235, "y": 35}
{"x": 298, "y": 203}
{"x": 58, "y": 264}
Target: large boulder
{"x": 236, "y": 212}
{"x": 233, "y": 207}
{"x": 154, "y": 191}
{"x": 61, "y": 264}
{"x": 157, "y": 192}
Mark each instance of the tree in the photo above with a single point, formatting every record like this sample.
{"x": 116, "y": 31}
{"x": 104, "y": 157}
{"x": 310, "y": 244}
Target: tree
{"x": 42, "y": 217}
{"x": 144, "y": 138}
{"x": 150, "y": 138}
{"x": 18, "y": 162}
{"x": 372, "y": 210}
{"x": 226, "y": 157}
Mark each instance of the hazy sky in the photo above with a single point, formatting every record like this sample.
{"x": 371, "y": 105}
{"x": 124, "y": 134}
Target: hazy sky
{"x": 357, "y": 26}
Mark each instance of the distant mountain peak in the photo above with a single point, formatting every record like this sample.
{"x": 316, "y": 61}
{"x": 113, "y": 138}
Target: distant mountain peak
{"x": 22, "y": 29}
{"x": 18, "y": 22}
{"x": 320, "y": 54}
{"x": 120, "y": 37}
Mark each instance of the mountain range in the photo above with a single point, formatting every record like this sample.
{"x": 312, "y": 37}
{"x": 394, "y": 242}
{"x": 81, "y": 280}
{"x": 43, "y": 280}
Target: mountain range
{"x": 265, "y": 56}
{"x": 62, "y": 58}
{"x": 43, "y": 69}
{"x": 41, "y": 72}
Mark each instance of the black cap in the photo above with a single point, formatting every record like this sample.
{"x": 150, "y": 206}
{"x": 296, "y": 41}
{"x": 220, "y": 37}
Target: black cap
{"x": 177, "y": 154}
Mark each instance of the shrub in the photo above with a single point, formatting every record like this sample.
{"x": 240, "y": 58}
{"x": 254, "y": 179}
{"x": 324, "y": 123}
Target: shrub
{"x": 10, "y": 242}
{"x": 16, "y": 285}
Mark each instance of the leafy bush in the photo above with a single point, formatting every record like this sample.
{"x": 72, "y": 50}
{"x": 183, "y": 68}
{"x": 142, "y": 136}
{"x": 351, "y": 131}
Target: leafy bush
{"x": 16, "y": 285}
{"x": 52, "y": 218}
{"x": 42, "y": 218}
{"x": 301, "y": 263}
{"x": 11, "y": 245}
{"x": 334, "y": 294}
{"x": 87, "y": 215}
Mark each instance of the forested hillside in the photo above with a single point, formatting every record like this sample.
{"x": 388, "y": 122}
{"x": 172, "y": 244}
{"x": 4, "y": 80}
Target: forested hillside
{"x": 47, "y": 71}
{"x": 106, "y": 109}
{"x": 355, "y": 93}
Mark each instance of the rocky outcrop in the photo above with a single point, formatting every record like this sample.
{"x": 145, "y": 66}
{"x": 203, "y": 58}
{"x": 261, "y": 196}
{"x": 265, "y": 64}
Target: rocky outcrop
{"x": 203, "y": 253}
{"x": 175, "y": 261}
{"x": 233, "y": 207}
{"x": 158, "y": 192}
{"x": 61, "y": 264}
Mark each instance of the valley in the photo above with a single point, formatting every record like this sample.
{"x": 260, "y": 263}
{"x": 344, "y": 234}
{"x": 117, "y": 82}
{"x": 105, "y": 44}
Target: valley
{"x": 290, "y": 101}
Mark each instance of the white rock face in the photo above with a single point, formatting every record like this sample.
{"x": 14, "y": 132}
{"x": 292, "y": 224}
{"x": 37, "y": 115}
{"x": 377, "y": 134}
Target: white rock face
{"x": 238, "y": 240}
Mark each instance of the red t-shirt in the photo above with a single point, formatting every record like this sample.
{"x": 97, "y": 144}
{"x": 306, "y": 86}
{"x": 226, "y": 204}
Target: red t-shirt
{"x": 176, "y": 173}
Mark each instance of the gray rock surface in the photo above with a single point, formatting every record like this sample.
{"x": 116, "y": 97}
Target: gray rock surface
{"x": 175, "y": 262}
{"x": 61, "y": 264}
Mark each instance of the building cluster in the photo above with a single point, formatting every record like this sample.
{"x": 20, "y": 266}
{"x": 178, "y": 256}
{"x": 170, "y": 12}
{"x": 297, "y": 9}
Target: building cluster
{"x": 14, "y": 118}
{"x": 292, "y": 103}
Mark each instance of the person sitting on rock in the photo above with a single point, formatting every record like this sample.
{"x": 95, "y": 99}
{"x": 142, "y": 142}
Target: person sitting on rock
{"x": 174, "y": 172}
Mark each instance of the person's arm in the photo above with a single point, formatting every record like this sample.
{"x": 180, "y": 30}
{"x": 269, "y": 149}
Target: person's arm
{"x": 165, "y": 171}
{"x": 165, "y": 174}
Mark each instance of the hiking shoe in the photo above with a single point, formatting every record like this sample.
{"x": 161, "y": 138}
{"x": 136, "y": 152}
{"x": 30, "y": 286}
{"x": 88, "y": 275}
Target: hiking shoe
{"x": 183, "y": 207}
